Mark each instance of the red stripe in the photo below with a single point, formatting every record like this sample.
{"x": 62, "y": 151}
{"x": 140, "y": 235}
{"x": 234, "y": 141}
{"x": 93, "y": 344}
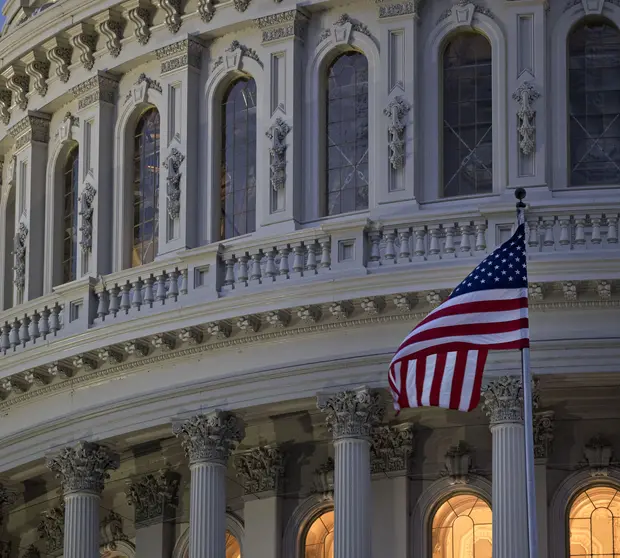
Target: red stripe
{"x": 420, "y": 370}
{"x": 440, "y": 368}
{"x": 458, "y": 378}
{"x": 475, "y": 394}
{"x": 476, "y": 307}
{"x": 467, "y": 330}
{"x": 390, "y": 381}
{"x": 403, "y": 398}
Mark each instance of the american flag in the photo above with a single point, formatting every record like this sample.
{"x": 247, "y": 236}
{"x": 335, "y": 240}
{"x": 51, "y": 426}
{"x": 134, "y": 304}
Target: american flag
{"x": 441, "y": 362}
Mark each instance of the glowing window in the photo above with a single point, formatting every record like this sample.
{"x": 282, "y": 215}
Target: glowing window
{"x": 594, "y": 523}
{"x": 462, "y": 528}
{"x": 320, "y": 537}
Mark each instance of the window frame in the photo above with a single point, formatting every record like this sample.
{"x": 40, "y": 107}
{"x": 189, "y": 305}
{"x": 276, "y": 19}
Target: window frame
{"x": 74, "y": 150}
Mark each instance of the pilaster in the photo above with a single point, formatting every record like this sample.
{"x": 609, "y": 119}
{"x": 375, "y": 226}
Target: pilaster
{"x": 278, "y": 192}
{"x": 31, "y": 136}
{"x": 543, "y": 438}
{"x": 179, "y": 215}
{"x": 527, "y": 90}
{"x": 398, "y": 30}
{"x": 96, "y": 98}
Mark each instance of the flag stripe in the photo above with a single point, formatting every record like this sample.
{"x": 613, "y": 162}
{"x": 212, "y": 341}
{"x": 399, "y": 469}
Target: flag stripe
{"x": 459, "y": 384}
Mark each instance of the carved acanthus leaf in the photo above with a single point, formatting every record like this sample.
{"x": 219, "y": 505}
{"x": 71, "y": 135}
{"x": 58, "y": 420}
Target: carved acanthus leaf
{"x": 503, "y": 400}
{"x": 260, "y": 469}
{"x": 52, "y": 528}
{"x": 543, "y": 434}
{"x": 172, "y": 8}
{"x": 277, "y": 133}
{"x": 19, "y": 257}
{"x": 111, "y": 27}
{"x": 324, "y": 480}
{"x": 526, "y": 95}
{"x": 38, "y": 70}
{"x": 59, "y": 55}
{"x": 172, "y": 164}
{"x": 396, "y": 111}
{"x": 111, "y": 531}
{"x": 391, "y": 448}
{"x": 598, "y": 453}
{"x": 85, "y": 43}
{"x": 458, "y": 463}
{"x": 154, "y": 497}
{"x": 139, "y": 14}
{"x": 86, "y": 212}
{"x": 206, "y": 10}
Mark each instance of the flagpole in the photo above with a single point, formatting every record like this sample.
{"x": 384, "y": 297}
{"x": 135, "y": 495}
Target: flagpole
{"x": 528, "y": 419}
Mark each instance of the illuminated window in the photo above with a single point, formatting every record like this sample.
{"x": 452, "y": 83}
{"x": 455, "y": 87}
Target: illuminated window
{"x": 347, "y": 134}
{"x": 467, "y": 116}
{"x": 594, "y": 98}
{"x": 233, "y": 548}
{"x": 238, "y": 160}
{"x": 146, "y": 189}
{"x": 594, "y": 524}
{"x": 320, "y": 537}
{"x": 70, "y": 217}
{"x": 462, "y": 528}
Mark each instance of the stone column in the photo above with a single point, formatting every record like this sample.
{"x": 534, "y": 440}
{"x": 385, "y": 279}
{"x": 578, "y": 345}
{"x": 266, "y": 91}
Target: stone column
{"x": 154, "y": 497}
{"x": 260, "y": 470}
{"x": 82, "y": 470}
{"x": 208, "y": 441}
{"x": 543, "y": 437}
{"x": 351, "y": 416}
{"x": 503, "y": 404}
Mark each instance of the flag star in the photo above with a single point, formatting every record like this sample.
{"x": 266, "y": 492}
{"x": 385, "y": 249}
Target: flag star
{"x": 497, "y": 255}
{"x": 482, "y": 281}
{"x": 517, "y": 272}
{"x": 503, "y": 272}
{"x": 504, "y": 261}
{"x": 524, "y": 264}
{"x": 509, "y": 278}
{"x": 509, "y": 266}
{"x": 475, "y": 277}
{"x": 520, "y": 237}
{"x": 511, "y": 254}
{"x": 489, "y": 274}
{"x": 517, "y": 260}
{"x": 504, "y": 249}
{"x": 469, "y": 284}
{"x": 496, "y": 267}
{"x": 512, "y": 244}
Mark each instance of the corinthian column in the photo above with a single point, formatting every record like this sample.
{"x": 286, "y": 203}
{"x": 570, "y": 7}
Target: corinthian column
{"x": 351, "y": 416}
{"x": 82, "y": 470}
{"x": 503, "y": 404}
{"x": 208, "y": 441}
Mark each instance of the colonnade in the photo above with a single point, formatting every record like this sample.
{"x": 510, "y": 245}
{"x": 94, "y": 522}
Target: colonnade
{"x": 351, "y": 416}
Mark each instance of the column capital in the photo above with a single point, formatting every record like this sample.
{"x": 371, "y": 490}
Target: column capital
{"x": 260, "y": 469}
{"x": 291, "y": 24}
{"x": 84, "y": 467}
{"x": 391, "y": 448}
{"x": 52, "y": 528}
{"x": 503, "y": 400}
{"x": 352, "y": 413}
{"x": 99, "y": 88}
{"x": 35, "y": 126}
{"x": 543, "y": 434}
{"x": 211, "y": 437}
{"x": 154, "y": 496}
{"x": 7, "y": 498}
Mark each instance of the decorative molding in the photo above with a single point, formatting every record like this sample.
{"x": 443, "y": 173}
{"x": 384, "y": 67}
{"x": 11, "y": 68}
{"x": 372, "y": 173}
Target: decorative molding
{"x": 391, "y": 448}
{"x": 138, "y": 12}
{"x": 210, "y": 437}
{"x": 341, "y": 29}
{"x": 172, "y": 163}
{"x": 111, "y": 532}
{"x": 260, "y": 469}
{"x": 352, "y": 413}
{"x": 241, "y": 5}
{"x": 19, "y": 257}
{"x": 139, "y": 91}
{"x": 52, "y": 528}
{"x": 206, "y": 10}
{"x": 373, "y": 305}
{"x": 463, "y": 12}
{"x": 111, "y": 26}
{"x": 37, "y": 68}
{"x": 5, "y": 106}
{"x": 277, "y": 133}
{"x": 172, "y": 9}
{"x": 7, "y": 498}
{"x": 503, "y": 400}
{"x": 543, "y": 434}
{"x": 458, "y": 464}
{"x": 59, "y": 54}
{"x": 18, "y": 83}
{"x": 396, "y": 112}
{"x": 34, "y": 127}
{"x": 598, "y": 453}
{"x": 283, "y": 25}
{"x": 399, "y": 9}
{"x": 99, "y": 88}
{"x": 154, "y": 496}
{"x": 83, "y": 467}
{"x": 236, "y": 53}
{"x": 180, "y": 55}
{"x": 65, "y": 130}
{"x": 84, "y": 39}
{"x": 86, "y": 212}
{"x": 323, "y": 483}
{"x": 526, "y": 95}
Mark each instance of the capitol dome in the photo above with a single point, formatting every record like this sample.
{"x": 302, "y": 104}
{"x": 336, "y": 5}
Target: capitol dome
{"x": 218, "y": 221}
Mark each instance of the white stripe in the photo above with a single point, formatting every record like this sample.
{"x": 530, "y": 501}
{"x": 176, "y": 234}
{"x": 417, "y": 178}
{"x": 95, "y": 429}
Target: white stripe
{"x": 481, "y": 296}
{"x": 445, "y": 391}
{"x": 412, "y": 386}
{"x": 486, "y": 339}
{"x": 468, "y": 380}
{"x": 429, "y": 374}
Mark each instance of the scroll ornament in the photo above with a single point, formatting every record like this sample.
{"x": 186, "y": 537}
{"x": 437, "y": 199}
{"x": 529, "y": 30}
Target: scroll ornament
{"x": 173, "y": 164}
{"x": 86, "y": 212}
{"x": 396, "y": 111}
{"x": 277, "y": 152}
{"x": 525, "y": 95}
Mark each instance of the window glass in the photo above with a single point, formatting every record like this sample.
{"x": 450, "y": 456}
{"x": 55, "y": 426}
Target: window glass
{"x": 70, "y": 217}
{"x": 319, "y": 541}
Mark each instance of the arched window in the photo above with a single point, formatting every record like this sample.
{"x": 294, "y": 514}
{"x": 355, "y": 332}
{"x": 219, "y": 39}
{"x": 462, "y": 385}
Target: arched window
{"x": 347, "y": 134}
{"x": 319, "y": 542}
{"x": 233, "y": 548}
{"x": 594, "y": 103}
{"x": 146, "y": 189}
{"x": 594, "y": 523}
{"x": 462, "y": 528}
{"x": 467, "y": 116}
{"x": 70, "y": 216}
{"x": 238, "y": 159}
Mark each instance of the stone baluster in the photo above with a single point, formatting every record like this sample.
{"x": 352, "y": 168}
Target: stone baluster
{"x": 82, "y": 470}
{"x": 229, "y": 277}
{"x": 149, "y": 296}
{"x": 103, "y": 306}
{"x": 351, "y": 416}
{"x": 503, "y": 404}
{"x": 44, "y": 323}
{"x": 375, "y": 241}
{"x": 173, "y": 286}
{"x": 298, "y": 259}
{"x": 208, "y": 441}
{"x": 161, "y": 288}
{"x": 311, "y": 263}
{"x": 596, "y": 230}
{"x": 326, "y": 257}
{"x": 242, "y": 276}
{"x": 283, "y": 268}
{"x": 420, "y": 242}
{"x": 548, "y": 225}
{"x": 270, "y": 265}
{"x": 404, "y": 253}
{"x": 390, "y": 252}
{"x": 564, "y": 239}
{"x": 612, "y": 229}
{"x": 136, "y": 301}
{"x": 465, "y": 230}
{"x": 435, "y": 234}
{"x": 533, "y": 240}
{"x": 5, "y": 343}
{"x": 125, "y": 298}
{"x": 580, "y": 232}
{"x": 257, "y": 273}
{"x": 449, "y": 246}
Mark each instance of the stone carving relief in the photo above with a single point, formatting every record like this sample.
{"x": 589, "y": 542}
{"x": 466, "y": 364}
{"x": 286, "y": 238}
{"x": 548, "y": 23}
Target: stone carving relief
{"x": 38, "y": 71}
{"x": 60, "y": 57}
{"x": 503, "y": 400}
{"x": 210, "y": 437}
{"x": 111, "y": 531}
{"x": 391, "y": 448}
{"x": 590, "y": 7}
{"x": 598, "y": 453}
{"x": 463, "y": 12}
{"x": 187, "y": 52}
{"x": 234, "y": 54}
{"x": 19, "y": 257}
{"x": 172, "y": 8}
{"x": 275, "y": 27}
{"x": 140, "y": 89}
{"x": 396, "y": 112}
{"x": 277, "y": 133}
{"x": 206, "y": 10}
{"x": 65, "y": 130}
{"x": 31, "y": 552}
{"x": 526, "y": 95}
{"x": 52, "y": 528}
{"x": 154, "y": 497}
{"x": 7, "y": 498}
{"x": 352, "y": 414}
{"x": 342, "y": 28}
{"x": 172, "y": 164}
{"x": 86, "y": 212}
{"x": 18, "y": 84}
{"x": 85, "y": 43}
{"x": 397, "y": 9}
{"x": 241, "y": 5}
{"x": 5, "y": 549}
{"x": 139, "y": 14}
{"x": 543, "y": 434}
{"x": 323, "y": 483}
{"x": 260, "y": 469}
{"x": 100, "y": 88}
{"x": 111, "y": 27}
{"x": 83, "y": 467}
{"x": 458, "y": 464}
{"x": 5, "y": 106}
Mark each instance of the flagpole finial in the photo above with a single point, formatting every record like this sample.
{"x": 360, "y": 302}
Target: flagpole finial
{"x": 520, "y": 194}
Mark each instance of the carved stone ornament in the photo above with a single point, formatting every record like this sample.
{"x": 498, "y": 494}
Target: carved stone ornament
{"x": 86, "y": 212}
{"x": 172, "y": 9}
{"x": 65, "y": 130}
{"x": 59, "y": 55}
{"x": 283, "y": 25}
{"x": 140, "y": 89}
{"x": 396, "y": 111}
{"x": 52, "y": 528}
{"x": 85, "y": 43}
{"x": 525, "y": 95}
{"x": 277, "y": 153}
{"x": 138, "y": 12}
{"x": 352, "y": 414}
{"x": 172, "y": 164}
{"x": 598, "y": 453}
{"x": 32, "y": 128}
{"x": 463, "y": 12}
{"x": 37, "y": 69}
{"x": 182, "y": 54}
{"x": 399, "y": 9}
{"x": 111, "y": 531}
{"x": 18, "y": 84}
{"x": 111, "y": 26}
{"x": 210, "y": 437}
{"x": 234, "y": 54}
{"x": 341, "y": 30}
{"x": 503, "y": 400}
{"x": 458, "y": 462}
{"x": 241, "y": 5}
{"x": 19, "y": 257}
{"x": 391, "y": 448}
{"x": 590, "y": 7}
{"x": 7, "y": 498}
{"x": 154, "y": 496}
{"x": 99, "y": 88}
{"x": 5, "y": 106}
{"x": 206, "y": 10}
{"x": 324, "y": 480}
{"x": 31, "y": 552}
{"x": 83, "y": 467}
{"x": 543, "y": 434}
{"x": 260, "y": 469}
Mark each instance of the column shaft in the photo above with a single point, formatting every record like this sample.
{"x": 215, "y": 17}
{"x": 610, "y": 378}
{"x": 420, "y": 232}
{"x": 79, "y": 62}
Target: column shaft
{"x": 509, "y": 496}
{"x": 81, "y": 525}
